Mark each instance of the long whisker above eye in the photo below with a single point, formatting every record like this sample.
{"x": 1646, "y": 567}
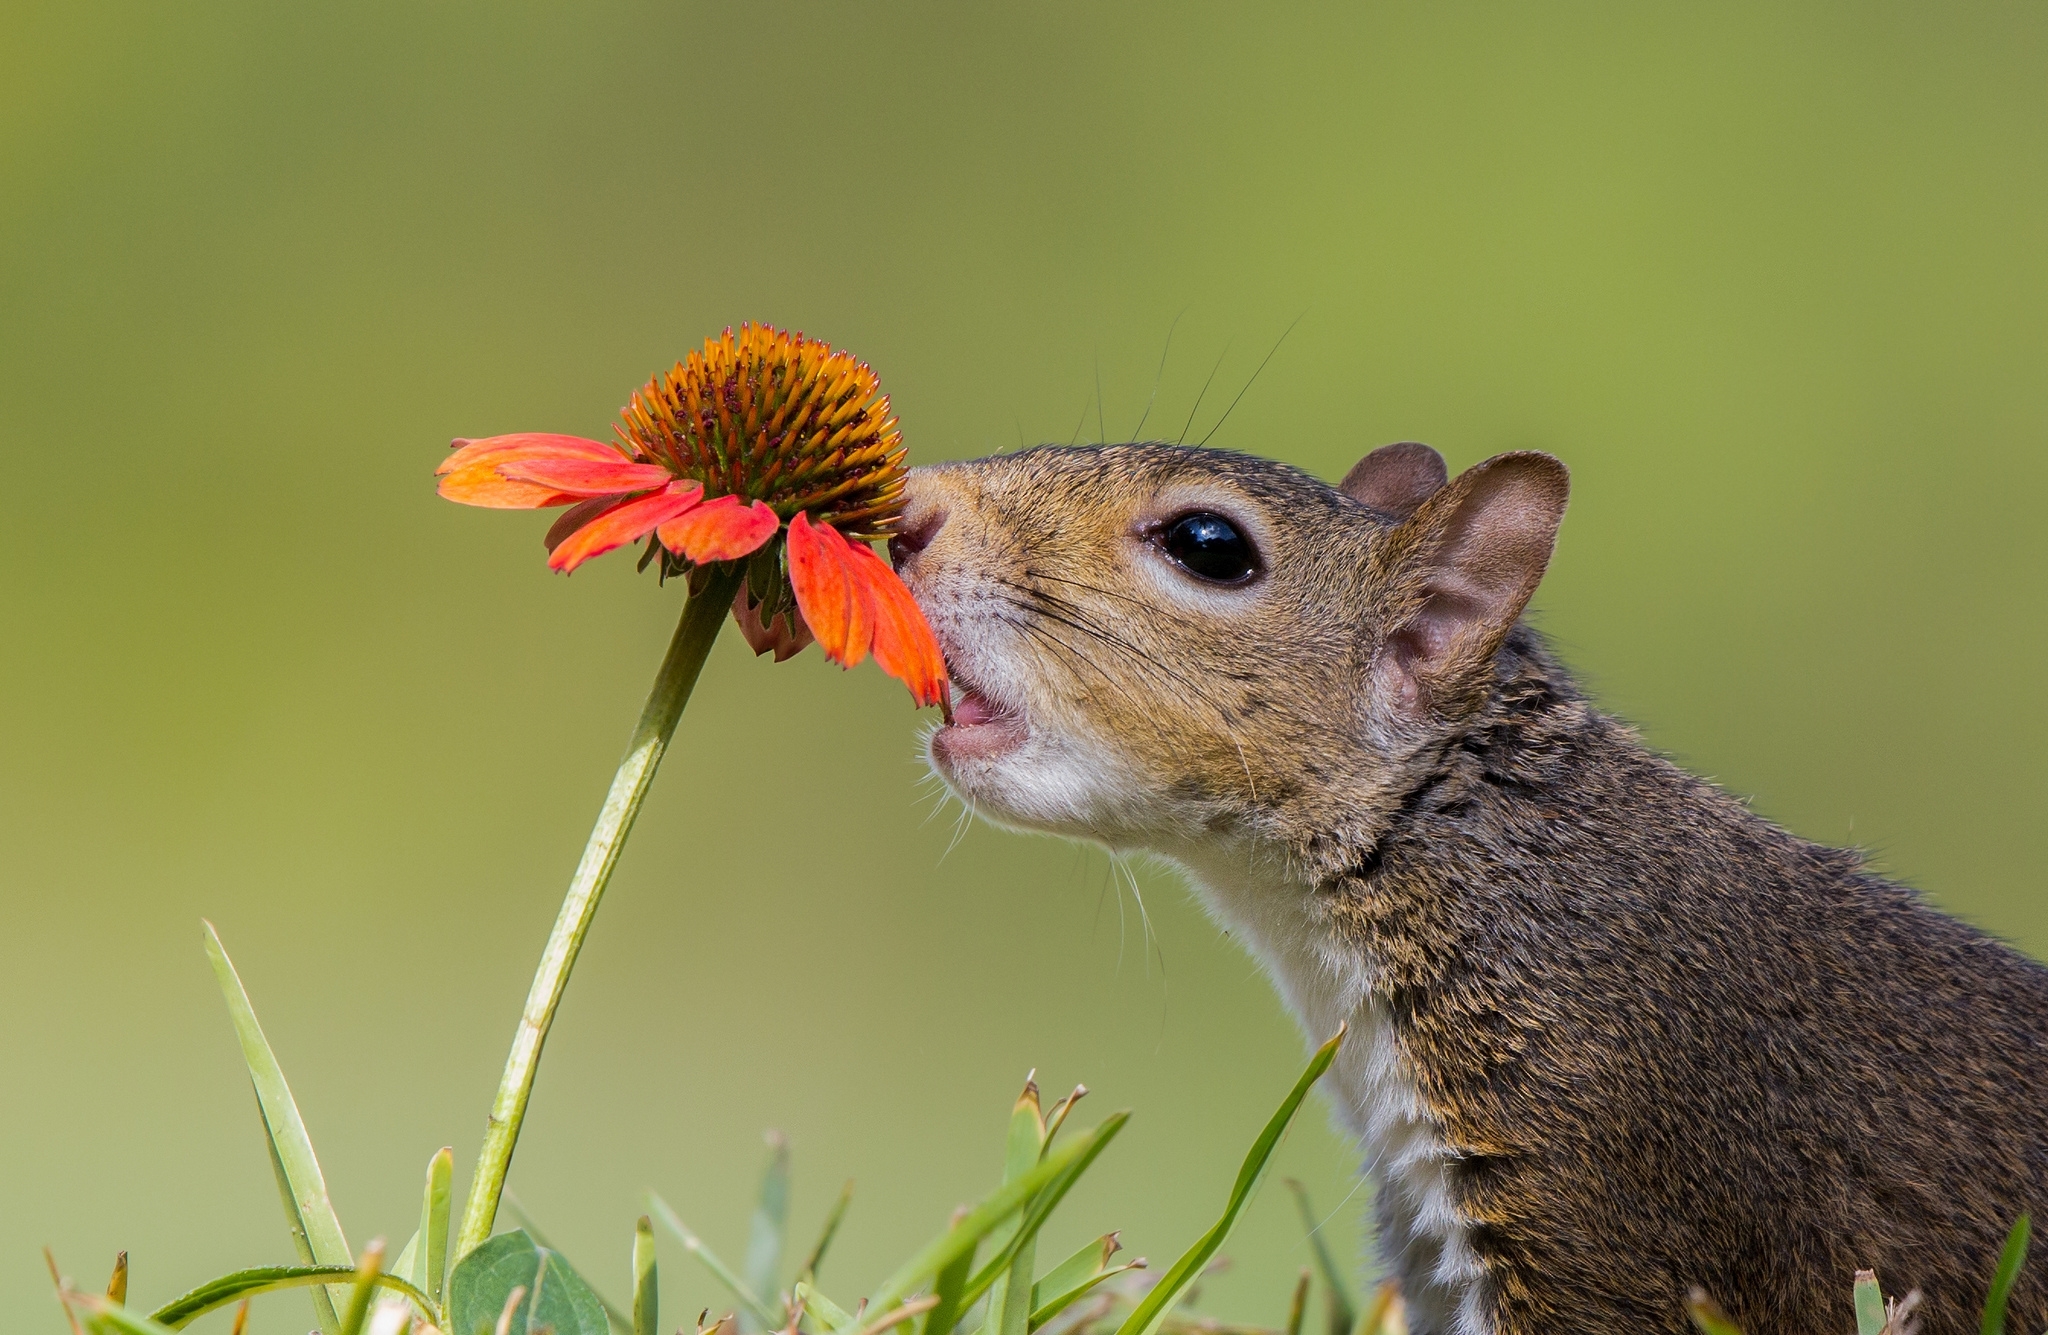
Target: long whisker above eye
{"x": 1101, "y": 430}
{"x": 1157, "y": 376}
{"x": 1190, "y": 423}
{"x": 1247, "y": 384}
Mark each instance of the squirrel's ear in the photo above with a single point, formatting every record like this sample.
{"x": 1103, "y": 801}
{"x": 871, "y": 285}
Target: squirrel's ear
{"x": 1395, "y": 479}
{"x": 1460, "y": 571}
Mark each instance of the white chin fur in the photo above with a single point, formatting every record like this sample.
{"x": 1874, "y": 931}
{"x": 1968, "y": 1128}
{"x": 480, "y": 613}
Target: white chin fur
{"x": 1051, "y": 784}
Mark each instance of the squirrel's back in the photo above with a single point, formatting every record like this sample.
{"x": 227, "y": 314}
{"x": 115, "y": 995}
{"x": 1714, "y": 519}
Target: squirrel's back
{"x": 1672, "y": 1044}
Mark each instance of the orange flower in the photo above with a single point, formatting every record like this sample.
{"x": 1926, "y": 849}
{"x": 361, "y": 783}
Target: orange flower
{"x": 764, "y": 448}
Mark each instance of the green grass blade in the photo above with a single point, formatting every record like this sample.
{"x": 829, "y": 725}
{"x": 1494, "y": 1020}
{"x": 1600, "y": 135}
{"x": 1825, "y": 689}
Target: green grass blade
{"x": 1153, "y": 1308}
{"x": 371, "y": 1266}
{"x": 1027, "y": 1133}
{"x": 998, "y": 1206}
{"x": 1072, "y": 1279}
{"x": 1057, "y": 1117}
{"x": 323, "y": 1298}
{"x": 230, "y": 1289}
{"x": 408, "y": 1265}
{"x": 1342, "y": 1313}
{"x": 1389, "y": 1293}
{"x": 1038, "y": 1211}
{"x": 646, "y": 1292}
{"x": 618, "y": 1321}
{"x": 1089, "y": 1260}
{"x": 1297, "y": 1307}
{"x": 2009, "y": 1262}
{"x": 830, "y": 1313}
{"x": 104, "y": 1316}
{"x": 1869, "y": 1304}
{"x": 816, "y": 1257}
{"x": 1009, "y": 1300}
{"x": 722, "y": 1272}
{"x": 948, "y": 1287}
{"x": 770, "y": 1225}
{"x": 1707, "y": 1315}
{"x": 1060, "y": 1302}
{"x": 315, "y": 1228}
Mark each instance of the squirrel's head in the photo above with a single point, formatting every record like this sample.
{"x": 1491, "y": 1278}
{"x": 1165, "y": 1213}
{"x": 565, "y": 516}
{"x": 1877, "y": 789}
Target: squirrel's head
{"x": 1157, "y": 646}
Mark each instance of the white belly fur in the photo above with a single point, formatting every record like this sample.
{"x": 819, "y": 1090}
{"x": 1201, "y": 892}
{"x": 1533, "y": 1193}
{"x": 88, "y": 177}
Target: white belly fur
{"x": 1423, "y": 1239}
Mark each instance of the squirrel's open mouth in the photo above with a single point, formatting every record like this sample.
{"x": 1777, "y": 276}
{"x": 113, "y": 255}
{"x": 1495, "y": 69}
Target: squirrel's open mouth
{"x": 981, "y": 727}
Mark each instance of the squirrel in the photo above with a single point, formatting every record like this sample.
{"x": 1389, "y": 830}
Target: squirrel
{"x": 1612, "y": 1035}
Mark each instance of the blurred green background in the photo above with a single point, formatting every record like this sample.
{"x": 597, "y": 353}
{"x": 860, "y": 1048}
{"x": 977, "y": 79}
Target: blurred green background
{"x": 1770, "y": 277}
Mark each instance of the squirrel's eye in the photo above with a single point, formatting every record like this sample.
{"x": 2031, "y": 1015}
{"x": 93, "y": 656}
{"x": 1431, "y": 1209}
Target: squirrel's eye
{"x": 1209, "y": 546}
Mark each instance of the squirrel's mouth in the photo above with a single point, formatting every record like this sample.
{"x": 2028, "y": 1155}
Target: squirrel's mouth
{"x": 982, "y": 728}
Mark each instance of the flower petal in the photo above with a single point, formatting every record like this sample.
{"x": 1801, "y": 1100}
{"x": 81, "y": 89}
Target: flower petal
{"x": 785, "y": 637}
{"x": 826, "y": 592}
{"x": 535, "y": 444}
{"x": 904, "y": 645}
{"x": 577, "y": 515}
{"x": 584, "y": 477}
{"x": 719, "y": 530}
{"x": 623, "y": 524}
{"x": 470, "y": 475}
{"x": 482, "y": 484}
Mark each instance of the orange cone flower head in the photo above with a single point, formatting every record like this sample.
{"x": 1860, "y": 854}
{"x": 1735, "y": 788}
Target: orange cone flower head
{"x": 762, "y": 447}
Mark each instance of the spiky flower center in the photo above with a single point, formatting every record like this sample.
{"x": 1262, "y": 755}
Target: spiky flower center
{"x": 781, "y": 419}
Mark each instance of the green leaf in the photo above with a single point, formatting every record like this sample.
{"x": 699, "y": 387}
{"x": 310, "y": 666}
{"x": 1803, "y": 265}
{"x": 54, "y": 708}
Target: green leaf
{"x": 646, "y": 1293}
{"x": 1341, "y": 1312}
{"x": 1153, "y": 1308}
{"x": 555, "y": 1296}
{"x": 618, "y": 1320}
{"x": 2009, "y": 1262}
{"x": 826, "y": 1234}
{"x": 228, "y": 1289}
{"x": 1869, "y": 1304}
{"x": 316, "y": 1231}
{"x": 770, "y": 1224}
{"x": 998, "y": 1206}
{"x": 719, "y": 1269}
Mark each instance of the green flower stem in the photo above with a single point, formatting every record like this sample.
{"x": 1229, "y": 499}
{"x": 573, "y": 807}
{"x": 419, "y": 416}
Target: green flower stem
{"x": 703, "y": 617}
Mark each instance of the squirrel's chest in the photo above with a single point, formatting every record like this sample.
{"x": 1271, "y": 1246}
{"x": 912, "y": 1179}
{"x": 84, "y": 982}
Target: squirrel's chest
{"x": 1422, "y": 1237}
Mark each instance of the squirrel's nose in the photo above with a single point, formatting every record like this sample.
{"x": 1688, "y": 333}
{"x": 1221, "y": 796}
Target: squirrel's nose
{"x": 921, "y": 523}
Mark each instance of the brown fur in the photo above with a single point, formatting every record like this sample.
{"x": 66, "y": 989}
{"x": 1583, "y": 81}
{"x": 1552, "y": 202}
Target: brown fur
{"x": 1667, "y": 1042}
